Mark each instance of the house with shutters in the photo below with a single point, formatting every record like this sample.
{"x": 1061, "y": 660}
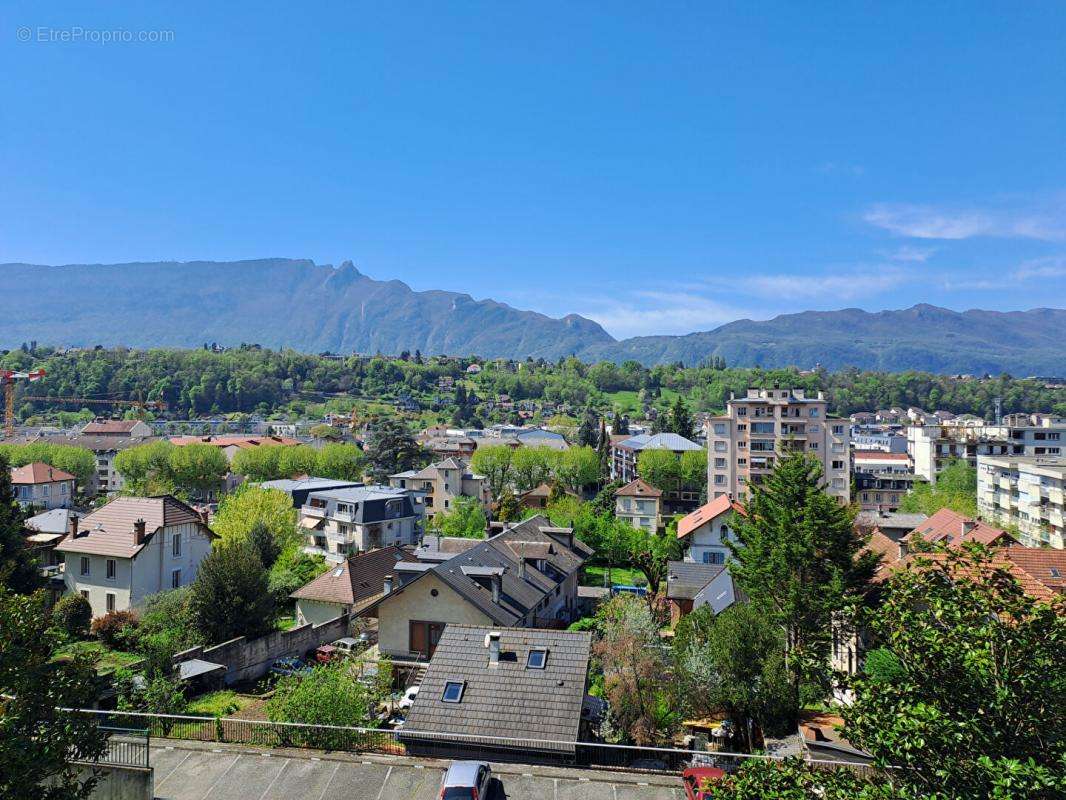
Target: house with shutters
{"x": 525, "y": 576}
{"x": 132, "y": 548}
{"x": 43, "y": 487}
{"x": 704, "y": 532}
{"x": 441, "y": 483}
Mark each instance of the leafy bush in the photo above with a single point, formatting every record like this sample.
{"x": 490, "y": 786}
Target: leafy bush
{"x": 72, "y": 615}
{"x": 882, "y": 666}
{"x": 109, "y": 628}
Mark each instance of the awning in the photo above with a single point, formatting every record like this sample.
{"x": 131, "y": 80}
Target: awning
{"x": 311, "y": 523}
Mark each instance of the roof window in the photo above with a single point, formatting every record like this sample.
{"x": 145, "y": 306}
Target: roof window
{"x": 453, "y": 691}
{"x": 537, "y": 658}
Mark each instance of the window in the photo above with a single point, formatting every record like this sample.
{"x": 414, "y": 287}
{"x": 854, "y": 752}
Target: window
{"x": 85, "y": 565}
{"x": 537, "y": 659}
{"x": 812, "y": 413}
{"x": 719, "y": 429}
{"x": 742, "y": 462}
{"x": 838, "y": 465}
{"x": 838, "y": 430}
{"x": 719, "y": 463}
{"x": 719, "y": 480}
{"x": 175, "y": 579}
{"x": 110, "y": 602}
{"x": 742, "y": 411}
{"x": 453, "y": 691}
{"x": 175, "y": 545}
{"x": 810, "y": 429}
{"x": 713, "y": 557}
{"x": 110, "y": 569}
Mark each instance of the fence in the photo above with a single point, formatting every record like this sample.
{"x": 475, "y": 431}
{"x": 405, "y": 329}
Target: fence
{"x": 125, "y": 747}
{"x": 593, "y": 755}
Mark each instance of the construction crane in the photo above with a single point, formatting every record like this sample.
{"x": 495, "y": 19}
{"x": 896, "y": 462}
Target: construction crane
{"x": 8, "y": 379}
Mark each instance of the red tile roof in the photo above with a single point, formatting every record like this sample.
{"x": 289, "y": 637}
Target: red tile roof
{"x": 878, "y": 455}
{"x": 705, "y": 513}
{"x": 1032, "y": 586}
{"x": 1044, "y": 564}
{"x": 638, "y": 488}
{"x": 108, "y": 531}
{"x": 951, "y": 528}
{"x": 39, "y": 472}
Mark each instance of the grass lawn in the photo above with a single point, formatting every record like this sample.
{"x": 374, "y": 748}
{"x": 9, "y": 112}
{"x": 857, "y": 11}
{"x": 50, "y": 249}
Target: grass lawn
{"x": 284, "y": 623}
{"x": 222, "y": 703}
{"x": 624, "y": 401}
{"x": 106, "y": 660}
{"x": 622, "y": 575}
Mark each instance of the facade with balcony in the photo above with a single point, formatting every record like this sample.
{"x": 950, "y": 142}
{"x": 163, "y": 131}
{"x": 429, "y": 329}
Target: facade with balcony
{"x": 343, "y": 522}
{"x": 1026, "y": 492}
{"x": 744, "y": 444}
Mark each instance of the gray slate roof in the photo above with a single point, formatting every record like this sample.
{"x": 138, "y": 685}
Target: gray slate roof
{"x": 518, "y": 595}
{"x": 684, "y": 579}
{"x": 506, "y": 700}
{"x": 659, "y": 441}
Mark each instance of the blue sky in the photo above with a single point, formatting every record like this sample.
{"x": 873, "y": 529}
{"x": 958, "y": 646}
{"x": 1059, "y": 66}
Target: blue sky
{"x": 661, "y": 168}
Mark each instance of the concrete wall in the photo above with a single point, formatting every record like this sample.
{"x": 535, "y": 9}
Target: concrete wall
{"x": 249, "y": 660}
{"x": 317, "y": 612}
{"x": 120, "y": 783}
{"x": 416, "y": 602}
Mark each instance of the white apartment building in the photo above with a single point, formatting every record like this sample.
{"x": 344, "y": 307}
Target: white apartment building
{"x": 1026, "y": 492}
{"x": 743, "y": 445}
{"x": 442, "y": 482}
{"x": 932, "y": 447}
{"x": 132, "y": 548}
{"x": 339, "y": 523}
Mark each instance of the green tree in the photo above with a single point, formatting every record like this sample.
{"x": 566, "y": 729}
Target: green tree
{"x": 37, "y": 738}
{"x": 679, "y": 420}
{"x": 249, "y": 506}
{"x": 955, "y": 488}
{"x": 981, "y": 686}
{"x": 508, "y": 509}
{"x": 294, "y": 568}
{"x": 198, "y": 467}
{"x": 259, "y": 463}
{"x": 266, "y": 545}
{"x": 464, "y": 519}
{"x": 692, "y": 468}
{"x": 146, "y": 466}
{"x": 297, "y": 460}
{"x": 576, "y": 468}
{"x": 341, "y": 462}
{"x": 72, "y": 615}
{"x": 494, "y": 462}
{"x": 231, "y": 595}
{"x": 650, "y": 550}
{"x": 530, "y": 466}
{"x": 18, "y": 571}
{"x": 390, "y": 448}
{"x": 734, "y": 663}
{"x": 588, "y": 430}
{"x": 800, "y": 561}
{"x": 329, "y": 696}
{"x": 660, "y": 468}
{"x": 326, "y": 432}
{"x": 166, "y": 627}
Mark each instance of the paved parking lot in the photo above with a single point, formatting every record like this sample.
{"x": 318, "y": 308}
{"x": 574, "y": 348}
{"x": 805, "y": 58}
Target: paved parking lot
{"x": 190, "y": 771}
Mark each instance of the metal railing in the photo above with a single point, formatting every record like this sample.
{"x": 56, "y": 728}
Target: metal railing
{"x": 127, "y": 747}
{"x": 593, "y": 755}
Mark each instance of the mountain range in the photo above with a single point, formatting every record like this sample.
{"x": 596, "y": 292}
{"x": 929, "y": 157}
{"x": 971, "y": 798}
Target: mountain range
{"x": 314, "y": 308}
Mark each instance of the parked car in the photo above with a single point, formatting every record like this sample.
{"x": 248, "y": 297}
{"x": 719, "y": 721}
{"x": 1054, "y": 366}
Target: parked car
{"x": 351, "y": 646}
{"x": 466, "y": 780}
{"x": 695, "y": 779}
{"x": 408, "y": 698}
{"x": 284, "y": 667}
{"x": 624, "y": 588}
{"x": 324, "y": 654}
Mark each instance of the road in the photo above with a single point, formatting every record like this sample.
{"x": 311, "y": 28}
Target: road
{"x": 196, "y": 771}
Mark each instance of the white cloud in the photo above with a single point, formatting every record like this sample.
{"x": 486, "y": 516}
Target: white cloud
{"x": 646, "y": 313}
{"x": 1054, "y": 267}
{"x": 861, "y": 282}
{"x": 909, "y": 253}
{"x": 929, "y": 222}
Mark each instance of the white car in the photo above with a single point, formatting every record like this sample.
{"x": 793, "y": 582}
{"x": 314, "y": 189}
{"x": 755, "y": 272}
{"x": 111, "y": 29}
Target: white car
{"x": 466, "y": 780}
{"x": 408, "y": 698}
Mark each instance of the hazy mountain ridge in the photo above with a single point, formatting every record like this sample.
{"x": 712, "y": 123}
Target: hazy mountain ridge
{"x": 312, "y": 308}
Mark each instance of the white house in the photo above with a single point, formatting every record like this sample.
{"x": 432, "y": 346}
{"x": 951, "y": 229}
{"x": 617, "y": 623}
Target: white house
{"x": 132, "y": 548}
{"x": 39, "y": 485}
{"x": 704, "y": 532}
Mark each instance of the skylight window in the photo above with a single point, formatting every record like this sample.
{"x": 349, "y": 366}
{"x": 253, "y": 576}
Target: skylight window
{"x": 453, "y": 691}
{"x": 537, "y": 659}
{"x": 1055, "y": 572}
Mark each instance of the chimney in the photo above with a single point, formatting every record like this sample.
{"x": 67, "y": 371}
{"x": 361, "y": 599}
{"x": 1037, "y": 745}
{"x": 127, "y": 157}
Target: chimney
{"x": 522, "y": 567}
{"x": 138, "y": 531}
{"x": 205, "y": 515}
{"x": 388, "y": 585}
{"x": 492, "y": 641}
{"x": 72, "y": 523}
{"x": 497, "y": 580}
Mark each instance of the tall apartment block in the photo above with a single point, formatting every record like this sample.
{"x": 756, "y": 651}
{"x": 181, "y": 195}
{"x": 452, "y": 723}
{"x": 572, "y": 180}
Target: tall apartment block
{"x": 1026, "y": 492}
{"x": 744, "y": 444}
{"x": 931, "y": 447}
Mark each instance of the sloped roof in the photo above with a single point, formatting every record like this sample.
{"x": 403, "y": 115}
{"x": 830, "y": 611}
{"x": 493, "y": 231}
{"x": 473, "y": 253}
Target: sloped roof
{"x": 39, "y": 472}
{"x": 55, "y": 521}
{"x": 706, "y": 513}
{"x": 242, "y": 442}
{"x": 879, "y": 455}
{"x": 518, "y": 595}
{"x": 110, "y": 426}
{"x": 1046, "y": 565}
{"x": 685, "y": 579}
{"x": 659, "y": 441}
{"x": 889, "y": 520}
{"x": 947, "y": 527}
{"x": 1034, "y": 587}
{"x": 108, "y": 531}
{"x": 357, "y": 579}
{"x": 505, "y": 700}
{"x": 639, "y": 488}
